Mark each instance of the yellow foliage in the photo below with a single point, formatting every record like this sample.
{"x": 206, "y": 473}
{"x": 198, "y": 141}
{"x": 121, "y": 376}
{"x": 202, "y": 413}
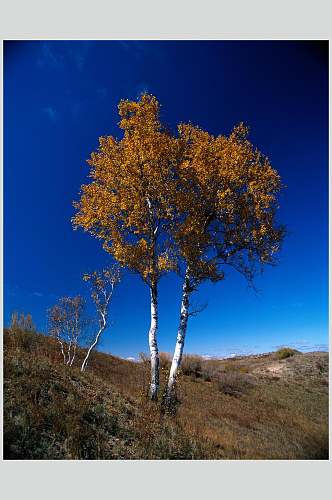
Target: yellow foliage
{"x": 227, "y": 194}
{"x": 156, "y": 200}
{"x": 132, "y": 184}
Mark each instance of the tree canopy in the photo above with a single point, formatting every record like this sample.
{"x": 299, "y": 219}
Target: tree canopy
{"x": 227, "y": 196}
{"x": 127, "y": 204}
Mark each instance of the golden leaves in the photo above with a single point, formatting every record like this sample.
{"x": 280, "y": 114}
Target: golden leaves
{"x": 208, "y": 197}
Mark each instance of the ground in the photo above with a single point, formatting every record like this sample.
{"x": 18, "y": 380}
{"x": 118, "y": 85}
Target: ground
{"x": 253, "y": 407}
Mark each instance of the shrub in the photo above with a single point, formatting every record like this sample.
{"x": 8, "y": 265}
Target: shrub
{"x": 230, "y": 366}
{"x": 22, "y": 322}
{"x": 244, "y": 369}
{"x": 234, "y": 383}
{"x": 165, "y": 360}
{"x": 322, "y": 367}
{"x": 192, "y": 365}
{"x": 22, "y": 339}
{"x": 143, "y": 358}
{"x": 209, "y": 372}
{"x": 285, "y": 352}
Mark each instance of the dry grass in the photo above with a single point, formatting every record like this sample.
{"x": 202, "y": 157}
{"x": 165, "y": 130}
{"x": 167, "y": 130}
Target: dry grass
{"x": 246, "y": 408}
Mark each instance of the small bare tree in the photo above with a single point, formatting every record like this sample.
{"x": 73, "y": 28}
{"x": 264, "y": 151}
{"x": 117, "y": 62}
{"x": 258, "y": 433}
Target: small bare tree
{"x": 102, "y": 289}
{"x": 54, "y": 327}
{"x": 66, "y": 324}
{"x": 28, "y": 323}
{"x": 14, "y": 324}
{"x": 22, "y": 322}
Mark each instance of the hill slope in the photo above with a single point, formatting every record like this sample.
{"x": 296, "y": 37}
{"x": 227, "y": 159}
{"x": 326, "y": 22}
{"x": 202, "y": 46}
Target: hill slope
{"x": 247, "y": 408}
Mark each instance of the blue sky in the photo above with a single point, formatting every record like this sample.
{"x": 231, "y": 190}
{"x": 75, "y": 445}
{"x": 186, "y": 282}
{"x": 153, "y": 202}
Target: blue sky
{"x": 59, "y": 97}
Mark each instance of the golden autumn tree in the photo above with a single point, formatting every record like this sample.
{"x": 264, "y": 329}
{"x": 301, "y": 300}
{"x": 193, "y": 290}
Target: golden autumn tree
{"x": 127, "y": 203}
{"x": 227, "y": 198}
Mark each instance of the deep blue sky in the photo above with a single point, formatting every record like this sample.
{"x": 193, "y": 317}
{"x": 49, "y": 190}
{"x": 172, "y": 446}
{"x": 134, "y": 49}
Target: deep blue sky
{"x": 59, "y": 97}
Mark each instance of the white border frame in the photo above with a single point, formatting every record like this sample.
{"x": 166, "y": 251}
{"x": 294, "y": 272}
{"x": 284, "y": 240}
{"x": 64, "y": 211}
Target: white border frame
{"x": 171, "y": 20}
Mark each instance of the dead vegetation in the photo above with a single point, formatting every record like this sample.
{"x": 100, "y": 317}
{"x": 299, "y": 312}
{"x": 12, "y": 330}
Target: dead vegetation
{"x": 244, "y": 408}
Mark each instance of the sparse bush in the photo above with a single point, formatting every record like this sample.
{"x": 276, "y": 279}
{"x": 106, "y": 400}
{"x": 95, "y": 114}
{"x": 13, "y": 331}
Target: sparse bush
{"x": 209, "y": 371}
{"x": 230, "y": 367}
{"x": 234, "y": 383}
{"x": 243, "y": 369}
{"x": 144, "y": 358}
{"x": 285, "y": 352}
{"x": 235, "y": 367}
{"x": 171, "y": 443}
{"x": 165, "y": 360}
{"x": 322, "y": 367}
{"x": 21, "y": 339}
{"x": 198, "y": 367}
{"x": 192, "y": 365}
{"x": 21, "y": 323}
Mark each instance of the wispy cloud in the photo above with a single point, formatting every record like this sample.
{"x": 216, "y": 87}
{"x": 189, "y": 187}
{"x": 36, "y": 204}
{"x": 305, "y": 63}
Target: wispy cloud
{"x": 58, "y": 55}
{"x": 140, "y": 49}
{"x": 50, "y": 56}
{"x": 78, "y": 53}
{"x": 52, "y": 113}
{"x": 37, "y": 294}
{"x": 79, "y": 59}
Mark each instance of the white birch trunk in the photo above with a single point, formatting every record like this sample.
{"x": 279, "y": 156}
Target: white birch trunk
{"x": 154, "y": 354}
{"x": 95, "y": 342}
{"x": 69, "y": 354}
{"x": 62, "y": 351}
{"x": 180, "y": 339}
{"x": 74, "y": 354}
{"x": 75, "y": 339}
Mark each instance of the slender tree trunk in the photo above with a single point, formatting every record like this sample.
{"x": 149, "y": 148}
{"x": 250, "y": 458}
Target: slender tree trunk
{"x": 94, "y": 343}
{"x": 75, "y": 338}
{"x": 74, "y": 354}
{"x": 154, "y": 354}
{"x": 62, "y": 351}
{"x": 69, "y": 353}
{"x": 180, "y": 339}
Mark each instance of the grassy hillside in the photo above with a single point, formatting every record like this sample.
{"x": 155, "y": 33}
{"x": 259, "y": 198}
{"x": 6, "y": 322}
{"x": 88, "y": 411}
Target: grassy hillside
{"x": 256, "y": 407}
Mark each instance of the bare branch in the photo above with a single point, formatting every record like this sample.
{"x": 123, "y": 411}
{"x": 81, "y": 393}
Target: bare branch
{"x": 102, "y": 285}
{"x": 197, "y": 309}
{"x": 66, "y": 324}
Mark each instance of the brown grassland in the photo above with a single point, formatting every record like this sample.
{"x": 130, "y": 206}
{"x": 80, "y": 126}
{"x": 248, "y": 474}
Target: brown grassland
{"x": 273, "y": 406}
